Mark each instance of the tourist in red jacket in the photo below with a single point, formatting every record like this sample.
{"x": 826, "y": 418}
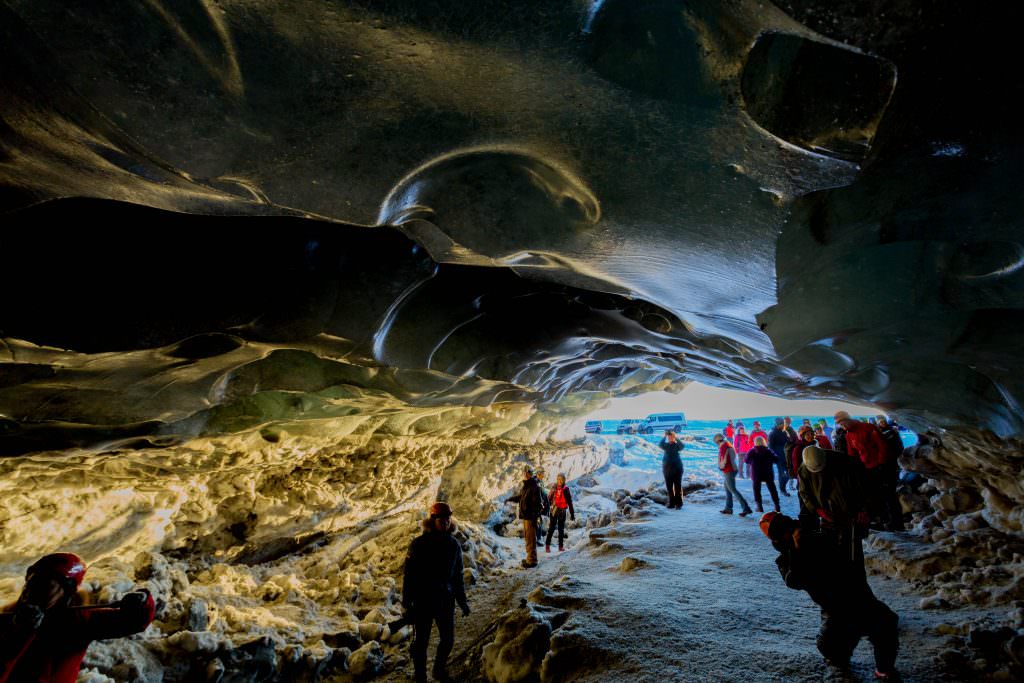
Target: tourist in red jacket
{"x": 863, "y": 441}
{"x": 796, "y": 454}
{"x": 822, "y": 438}
{"x": 560, "y": 500}
{"x": 43, "y": 637}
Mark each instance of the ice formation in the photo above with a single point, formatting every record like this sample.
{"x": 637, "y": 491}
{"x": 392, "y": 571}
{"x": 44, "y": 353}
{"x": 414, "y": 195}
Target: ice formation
{"x": 281, "y": 272}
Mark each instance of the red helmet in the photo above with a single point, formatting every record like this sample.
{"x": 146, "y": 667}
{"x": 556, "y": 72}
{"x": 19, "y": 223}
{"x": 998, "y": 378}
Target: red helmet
{"x": 66, "y": 566}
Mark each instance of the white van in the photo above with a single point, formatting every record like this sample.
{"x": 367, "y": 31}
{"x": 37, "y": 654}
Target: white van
{"x": 655, "y": 423}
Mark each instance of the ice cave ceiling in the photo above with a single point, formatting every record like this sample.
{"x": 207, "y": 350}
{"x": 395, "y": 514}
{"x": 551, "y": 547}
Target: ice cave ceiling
{"x": 222, "y": 214}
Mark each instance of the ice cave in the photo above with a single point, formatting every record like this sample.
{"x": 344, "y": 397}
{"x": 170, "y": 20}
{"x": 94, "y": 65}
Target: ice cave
{"x": 280, "y": 275}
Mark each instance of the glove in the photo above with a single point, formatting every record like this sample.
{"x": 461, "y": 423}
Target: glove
{"x": 465, "y": 609}
{"x": 136, "y": 600}
{"x": 28, "y": 616}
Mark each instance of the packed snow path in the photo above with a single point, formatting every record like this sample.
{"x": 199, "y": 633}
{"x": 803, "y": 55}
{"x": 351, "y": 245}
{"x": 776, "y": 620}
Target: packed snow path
{"x": 708, "y": 604}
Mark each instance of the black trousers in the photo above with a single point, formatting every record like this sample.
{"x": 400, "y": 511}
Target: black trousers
{"x": 424, "y": 618}
{"x": 783, "y": 471}
{"x": 770, "y": 483}
{"x": 557, "y": 519}
{"x": 841, "y": 630}
{"x": 889, "y": 480}
{"x": 674, "y": 485}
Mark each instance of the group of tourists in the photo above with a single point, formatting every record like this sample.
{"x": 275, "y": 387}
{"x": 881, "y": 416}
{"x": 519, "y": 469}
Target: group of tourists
{"x": 876, "y": 444}
{"x": 842, "y": 474}
{"x": 846, "y": 478}
{"x": 534, "y": 504}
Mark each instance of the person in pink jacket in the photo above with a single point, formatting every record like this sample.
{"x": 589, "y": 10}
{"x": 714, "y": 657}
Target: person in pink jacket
{"x": 743, "y": 444}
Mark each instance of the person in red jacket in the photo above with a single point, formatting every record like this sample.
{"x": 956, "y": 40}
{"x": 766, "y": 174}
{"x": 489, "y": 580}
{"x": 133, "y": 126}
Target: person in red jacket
{"x": 757, "y": 432}
{"x": 822, "y": 438}
{"x": 865, "y": 442}
{"x": 729, "y": 431}
{"x": 560, "y": 501}
{"x": 796, "y": 457}
{"x": 43, "y": 637}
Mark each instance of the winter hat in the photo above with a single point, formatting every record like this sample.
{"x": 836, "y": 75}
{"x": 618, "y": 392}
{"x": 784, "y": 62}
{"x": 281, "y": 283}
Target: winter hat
{"x": 774, "y": 523}
{"x": 62, "y": 566}
{"x": 814, "y": 459}
{"x": 440, "y": 510}
{"x": 842, "y": 415}
{"x": 779, "y": 421}
{"x": 766, "y": 522}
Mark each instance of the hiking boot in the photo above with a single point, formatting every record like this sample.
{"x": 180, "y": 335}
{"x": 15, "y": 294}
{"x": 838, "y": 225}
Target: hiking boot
{"x": 778, "y": 509}
{"x": 547, "y": 549}
{"x": 561, "y": 548}
{"x": 441, "y": 675}
{"x": 745, "y": 513}
{"x": 726, "y": 512}
{"x": 759, "y": 509}
{"x": 887, "y": 675}
{"x": 528, "y": 565}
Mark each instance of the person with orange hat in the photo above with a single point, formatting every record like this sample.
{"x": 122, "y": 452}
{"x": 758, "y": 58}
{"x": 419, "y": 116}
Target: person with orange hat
{"x": 43, "y": 636}
{"x": 811, "y": 562}
{"x": 431, "y": 588}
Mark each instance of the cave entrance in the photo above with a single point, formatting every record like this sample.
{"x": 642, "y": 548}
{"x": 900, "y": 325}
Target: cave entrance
{"x": 697, "y": 413}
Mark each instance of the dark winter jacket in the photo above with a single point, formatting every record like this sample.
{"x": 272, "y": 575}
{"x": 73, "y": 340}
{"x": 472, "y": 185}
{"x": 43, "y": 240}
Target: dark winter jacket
{"x": 762, "y": 460}
{"x": 53, "y": 652}
{"x": 433, "y": 573}
{"x": 839, "y": 439}
{"x": 544, "y": 507}
{"x": 777, "y": 440}
{"x": 796, "y": 456}
{"x": 820, "y": 567}
{"x": 893, "y": 443}
{"x": 530, "y": 499}
{"x": 671, "y": 462}
{"x": 836, "y": 495}
{"x": 792, "y": 438}
{"x": 553, "y": 500}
